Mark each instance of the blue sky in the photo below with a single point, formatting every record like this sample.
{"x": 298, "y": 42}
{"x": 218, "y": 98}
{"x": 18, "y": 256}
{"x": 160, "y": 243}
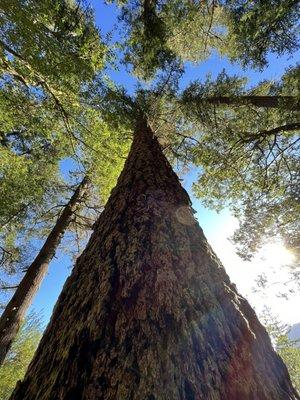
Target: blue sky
{"x": 217, "y": 227}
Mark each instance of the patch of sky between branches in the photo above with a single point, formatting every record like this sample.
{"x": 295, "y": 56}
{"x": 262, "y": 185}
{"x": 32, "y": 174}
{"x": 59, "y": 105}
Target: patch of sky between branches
{"x": 216, "y": 63}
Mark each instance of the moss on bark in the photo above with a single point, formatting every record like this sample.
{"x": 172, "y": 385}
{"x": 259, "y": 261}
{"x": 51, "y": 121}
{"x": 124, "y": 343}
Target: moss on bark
{"x": 149, "y": 312}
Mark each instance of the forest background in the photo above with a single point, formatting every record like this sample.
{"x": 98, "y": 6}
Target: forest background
{"x": 265, "y": 279}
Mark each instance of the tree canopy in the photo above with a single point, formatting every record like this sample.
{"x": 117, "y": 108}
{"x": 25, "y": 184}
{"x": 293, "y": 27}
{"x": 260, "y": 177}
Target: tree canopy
{"x": 58, "y": 103}
{"x": 249, "y": 154}
{"x": 160, "y": 32}
{"x": 243, "y": 139}
{"x": 50, "y": 53}
{"x": 20, "y": 355}
{"x": 55, "y": 100}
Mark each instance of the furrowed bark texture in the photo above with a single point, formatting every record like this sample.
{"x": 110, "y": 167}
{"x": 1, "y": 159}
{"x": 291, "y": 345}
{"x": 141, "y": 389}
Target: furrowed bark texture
{"x": 149, "y": 312}
{"x": 15, "y": 311}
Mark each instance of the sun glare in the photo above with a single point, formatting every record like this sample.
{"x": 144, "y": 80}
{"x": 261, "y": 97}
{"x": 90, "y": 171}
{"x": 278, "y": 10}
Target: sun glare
{"x": 276, "y": 254}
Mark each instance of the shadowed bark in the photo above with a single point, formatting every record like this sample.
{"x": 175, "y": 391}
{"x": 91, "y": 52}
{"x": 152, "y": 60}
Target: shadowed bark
{"x": 149, "y": 312}
{"x": 14, "y": 313}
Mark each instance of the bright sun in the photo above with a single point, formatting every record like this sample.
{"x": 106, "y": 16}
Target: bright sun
{"x": 276, "y": 254}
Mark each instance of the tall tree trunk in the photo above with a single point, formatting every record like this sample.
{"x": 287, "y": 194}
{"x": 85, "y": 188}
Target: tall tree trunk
{"x": 15, "y": 311}
{"x": 149, "y": 312}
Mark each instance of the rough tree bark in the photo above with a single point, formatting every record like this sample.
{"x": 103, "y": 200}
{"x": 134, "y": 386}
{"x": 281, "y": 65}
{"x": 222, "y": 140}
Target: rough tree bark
{"x": 14, "y": 313}
{"x": 149, "y": 312}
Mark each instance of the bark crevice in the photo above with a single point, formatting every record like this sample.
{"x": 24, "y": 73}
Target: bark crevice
{"x": 159, "y": 316}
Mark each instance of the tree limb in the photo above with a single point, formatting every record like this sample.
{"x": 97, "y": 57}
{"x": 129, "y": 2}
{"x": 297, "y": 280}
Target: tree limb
{"x": 274, "y": 131}
{"x": 290, "y": 103}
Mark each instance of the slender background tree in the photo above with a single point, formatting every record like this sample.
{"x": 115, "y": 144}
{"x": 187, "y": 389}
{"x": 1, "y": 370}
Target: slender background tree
{"x": 246, "y": 162}
{"x": 50, "y": 52}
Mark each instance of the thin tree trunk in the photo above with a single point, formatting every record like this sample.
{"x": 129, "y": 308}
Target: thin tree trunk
{"x": 14, "y": 313}
{"x": 149, "y": 312}
{"x": 290, "y": 103}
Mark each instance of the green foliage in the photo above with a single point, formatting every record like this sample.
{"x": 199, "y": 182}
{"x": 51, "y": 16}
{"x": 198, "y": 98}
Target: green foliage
{"x": 31, "y": 148}
{"x": 291, "y": 357}
{"x": 194, "y": 28}
{"x": 165, "y": 33}
{"x": 49, "y": 50}
{"x": 249, "y": 158}
{"x": 248, "y": 155}
{"x": 55, "y": 104}
{"x": 160, "y": 32}
{"x": 288, "y": 350}
{"x": 146, "y": 43}
{"x": 53, "y": 45}
{"x": 256, "y": 27}
{"x": 32, "y": 142}
{"x": 19, "y": 356}
{"x": 103, "y": 151}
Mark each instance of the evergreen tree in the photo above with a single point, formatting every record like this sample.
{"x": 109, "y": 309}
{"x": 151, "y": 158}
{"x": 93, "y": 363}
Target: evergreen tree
{"x": 50, "y": 53}
{"x": 149, "y": 312}
{"x": 19, "y": 355}
{"x": 159, "y": 32}
{"x": 249, "y": 136}
{"x": 48, "y": 50}
{"x": 15, "y": 311}
{"x": 248, "y": 150}
{"x": 287, "y": 348}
